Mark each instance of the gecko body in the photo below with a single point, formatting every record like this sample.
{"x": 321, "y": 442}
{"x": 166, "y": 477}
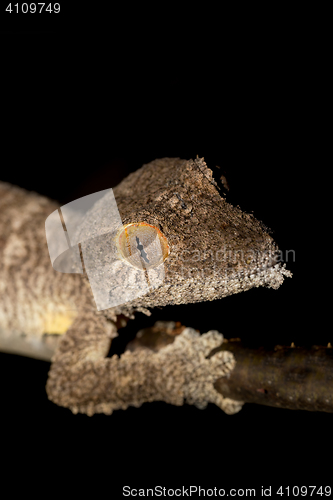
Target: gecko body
{"x": 214, "y": 250}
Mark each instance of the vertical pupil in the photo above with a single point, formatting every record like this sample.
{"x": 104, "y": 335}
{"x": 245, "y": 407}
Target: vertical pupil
{"x": 142, "y": 252}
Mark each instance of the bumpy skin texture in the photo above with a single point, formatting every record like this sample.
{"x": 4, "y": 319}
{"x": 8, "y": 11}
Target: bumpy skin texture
{"x": 180, "y": 198}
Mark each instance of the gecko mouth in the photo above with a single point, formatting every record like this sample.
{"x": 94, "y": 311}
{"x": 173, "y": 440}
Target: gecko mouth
{"x": 273, "y": 262}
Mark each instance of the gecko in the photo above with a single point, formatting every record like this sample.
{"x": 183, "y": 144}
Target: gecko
{"x": 210, "y": 249}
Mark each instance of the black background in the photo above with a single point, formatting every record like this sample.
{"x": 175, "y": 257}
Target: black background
{"x": 72, "y": 125}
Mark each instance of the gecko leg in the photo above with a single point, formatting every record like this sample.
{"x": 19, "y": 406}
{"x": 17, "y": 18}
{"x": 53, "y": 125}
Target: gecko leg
{"x": 83, "y": 379}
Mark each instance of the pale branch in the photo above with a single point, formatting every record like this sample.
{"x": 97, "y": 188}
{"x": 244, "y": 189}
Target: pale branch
{"x": 14, "y": 342}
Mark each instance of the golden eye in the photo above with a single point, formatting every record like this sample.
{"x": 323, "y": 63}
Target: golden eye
{"x": 142, "y": 245}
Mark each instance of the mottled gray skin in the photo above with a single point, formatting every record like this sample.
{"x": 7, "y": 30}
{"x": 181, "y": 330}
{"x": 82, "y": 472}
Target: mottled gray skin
{"x": 180, "y": 198}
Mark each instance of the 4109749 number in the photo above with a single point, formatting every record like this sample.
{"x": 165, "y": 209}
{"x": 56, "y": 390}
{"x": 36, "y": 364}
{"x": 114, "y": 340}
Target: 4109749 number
{"x": 33, "y": 8}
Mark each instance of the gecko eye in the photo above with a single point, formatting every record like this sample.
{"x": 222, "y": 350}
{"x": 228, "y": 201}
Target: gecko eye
{"x": 142, "y": 245}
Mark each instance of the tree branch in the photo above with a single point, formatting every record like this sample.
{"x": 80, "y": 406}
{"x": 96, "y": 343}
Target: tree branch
{"x": 295, "y": 378}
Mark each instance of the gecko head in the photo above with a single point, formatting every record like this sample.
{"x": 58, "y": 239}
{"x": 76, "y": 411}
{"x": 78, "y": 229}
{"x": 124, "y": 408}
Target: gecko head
{"x": 165, "y": 235}
{"x": 207, "y": 247}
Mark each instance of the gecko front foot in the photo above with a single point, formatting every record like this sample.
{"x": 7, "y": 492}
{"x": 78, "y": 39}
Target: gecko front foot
{"x": 186, "y": 375}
